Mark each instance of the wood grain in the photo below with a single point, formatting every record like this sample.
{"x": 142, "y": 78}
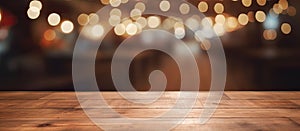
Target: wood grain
{"x": 60, "y": 111}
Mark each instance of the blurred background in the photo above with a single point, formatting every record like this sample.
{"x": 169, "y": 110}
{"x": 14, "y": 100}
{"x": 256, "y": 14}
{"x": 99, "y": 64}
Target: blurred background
{"x": 260, "y": 38}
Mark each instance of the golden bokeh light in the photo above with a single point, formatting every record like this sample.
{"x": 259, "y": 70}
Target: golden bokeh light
{"x": 105, "y": 2}
{"x": 131, "y": 29}
{"x": 220, "y": 19}
{"x": 219, "y": 29}
{"x": 67, "y": 26}
{"x": 93, "y": 18}
{"x": 277, "y": 8}
{"x": 124, "y": 1}
{"x": 35, "y": 3}
{"x": 142, "y": 21}
{"x": 219, "y": 8}
{"x": 33, "y": 13}
{"x": 251, "y": 17}
{"x": 49, "y": 35}
{"x": 83, "y": 19}
{"x": 193, "y": 22}
{"x": 231, "y": 23}
{"x": 141, "y": 6}
{"x": 247, "y": 3}
{"x": 135, "y": 13}
{"x": 115, "y": 3}
{"x": 153, "y": 21}
{"x": 120, "y": 29}
{"x": 97, "y": 31}
{"x": 243, "y": 19}
{"x": 114, "y": 20}
{"x": 286, "y": 28}
{"x": 53, "y": 19}
{"x": 203, "y": 6}
{"x": 184, "y": 8}
{"x": 164, "y": 5}
{"x": 179, "y": 32}
{"x": 283, "y": 4}
{"x": 291, "y": 11}
{"x": 270, "y": 34}
{"x": 207, "y": 22}
{"x": 260, "y": 16}
{"x": 116, "y": 12}
{"x": 168, "y": 23}
{"x": 261, "y": 2}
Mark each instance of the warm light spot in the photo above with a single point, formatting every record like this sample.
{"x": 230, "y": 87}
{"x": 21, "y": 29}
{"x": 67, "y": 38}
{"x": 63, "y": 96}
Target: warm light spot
{"x": 97, "y": 31}
{"x": 260, "y": 16}
{"x": 153, "y": 21}
{"x": 67, "y": 27}
{"x": 283, "y": 4}
{"x": 251, "y": 16}
{"x": 192, "y": 23}
{"x": 286, "y": 28}
{"x": 184, "y": 8}
{"x": 261, "y": 2}
{"x": 93, "y": 18}
{"x": 207, "y": 22}
{"x": 270, "y": 34}
{"x": 131, "y": 29}
{"x": 114, "y": 20}
{"x": 142, "y": 21}
{"x": 120, "y": 29}
{"x": 220, "y": 19}
{"x": 105, "y": 2}
{"x": 243, "y": 19}
{"x": 231, "y": 23}
{"x": 33, "y": 12}
{"x": 247, "y": 3}
{"x": 205, "y": 45}
{"x": 164, "y": 5}
{"x": 49, "y": 35}
{"x": 116, "y": 12}
{"x": 135, "y": 13}
{"x": 203, "y": 6}
{"x": 179, "y": 32}
{"x": 53, "y": 19}
{"x": 115, "y": 3}
{"x": 0, "y": 16}
{"x": 83, "y": 19}
{"x": 291, "y": 11}
{"x": 127, "y": 21}
{"x": 35, "y": 3}
{"x": 168, "y": 23}
{"x": 277, "y": 8}
{"x": 141, "y": 6}
{"x": 124, "y": 1}
{"x": 219, "y": 8}
{"x": 219, "y": 29}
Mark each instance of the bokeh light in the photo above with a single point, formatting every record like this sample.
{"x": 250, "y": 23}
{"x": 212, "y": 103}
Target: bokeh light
{"x": 49, "y": 35}
{"x": 35, "y": 3}
{"x": 53, "y": 19}
{"x": 120, "y": 29}
{"x": 141, "y": 6}
{"x": 153, "y": 21}
{"x": 261, "y": 2}
{"x": 184, "y": 8}
{"x": 164, "y": 5}
{"x": 203, "y": 6}
{"x": 33, "y": 13}
{"x": 260, "y": 16}
{"x": 247, "y": 3}
{"x": 131, "y": 29}
{"x": 93, "y": 18}
{"x": 220, "y": 19}
{"x": 270, "y": 34}
{"x": 97, "y": 31}
{"x": 115, "y": 3}
{"x": 219, "y": 8}
{"x": 243, "y": 19}
{"x": 67, "y": 26}
{"x": 83, "y": 19}
{"x": 286, "y": 28}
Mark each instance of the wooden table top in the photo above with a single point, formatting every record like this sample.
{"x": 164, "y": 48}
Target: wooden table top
{"x": 56, "y": 111}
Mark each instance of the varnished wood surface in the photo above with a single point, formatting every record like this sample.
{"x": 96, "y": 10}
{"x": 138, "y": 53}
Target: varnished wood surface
{"x": 60, "y": 111}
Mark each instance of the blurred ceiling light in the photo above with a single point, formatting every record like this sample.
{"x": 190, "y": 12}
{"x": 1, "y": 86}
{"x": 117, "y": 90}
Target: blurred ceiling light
{"x": 135, "y": 13}
{"x": 207, "y": 22}
{"x": 164, "y": 5}
{"x": 67, "y": 26}
{"x": 260, "y": 16}
{"x": 286, "y": 28}
{"x": 203, "y": 6}
{"x": 231, "y": 24}
{"x": 49, "y": 35}
{"x": 33, "y": 12}
{"x": 120, "y": 29}
{"x": 153, "y": 21}
{"x": 219, "y": 8}
{"x": 291, "y": 11}
{"x": 247, "y": 3}
{"x": 83, "y": 19}
{"x": 184, "y": 8}
{"x": 131, "y": 29}
{"x": 205, "y": 45}
{"x": 142, "y": 21}
{"x": 283, "y": 4}
{"x": 35, "y": 3}
{"x": 141, "y": 6}
{"x": 261, "y": 2}
{"x": 277, "y": 8}
{"x": 220, "y": 19}
{"x": 97, "y": 31}
{"x": 114, "y": 20}
{"x": 105, "y": 2}
{"x": 243, "y": 19}
{"x": 93, "y": 18}
{"x": 270, "y": 34}
{"x": 116, "y": 12}
{"x": 53, "y": 19}
{"x": 115, "y": 3}
{"x": 219, "y": 29}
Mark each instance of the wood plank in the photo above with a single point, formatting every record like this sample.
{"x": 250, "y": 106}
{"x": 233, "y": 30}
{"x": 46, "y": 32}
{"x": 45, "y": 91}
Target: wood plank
{"x": 263, "y": 95}
{"x": 39, "y": 103}
{"x": 22, "y": 95}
